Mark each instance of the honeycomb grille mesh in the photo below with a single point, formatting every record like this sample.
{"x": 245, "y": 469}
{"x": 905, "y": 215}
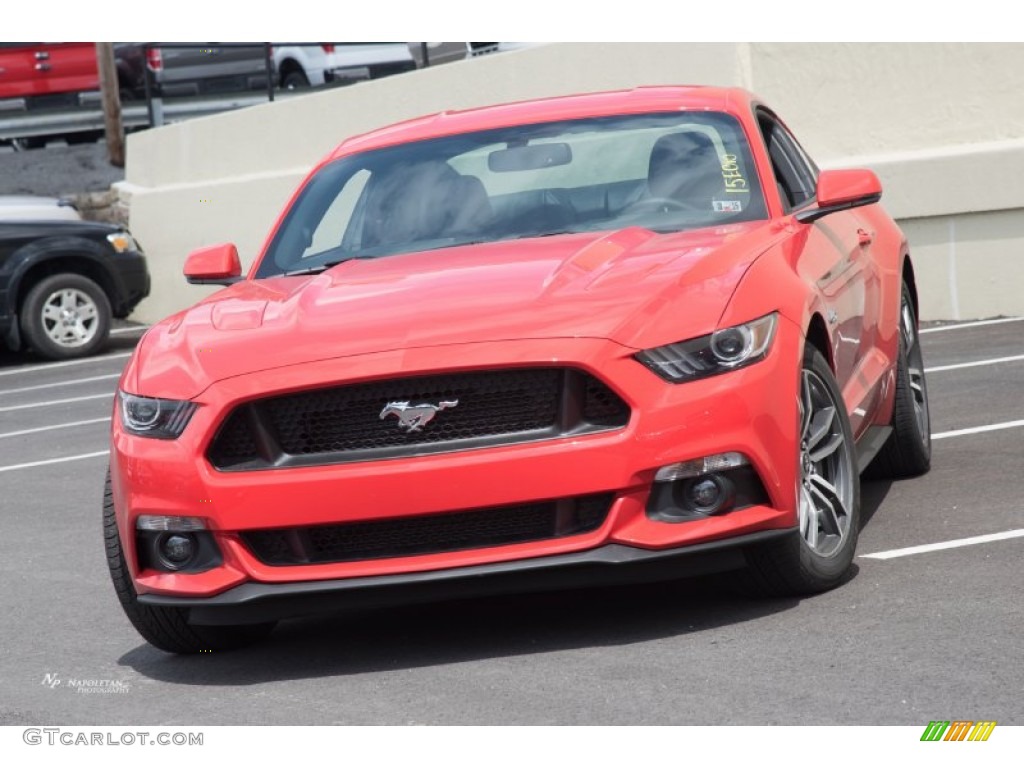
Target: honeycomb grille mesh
{"x": 360, "y": 422}
{"x": 349, "y": 418}
{"x": 602, "y": 407}
{"x": 429, "y": 534}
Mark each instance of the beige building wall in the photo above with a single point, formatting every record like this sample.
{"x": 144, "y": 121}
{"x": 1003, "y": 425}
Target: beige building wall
{"x": 942, "y": 124}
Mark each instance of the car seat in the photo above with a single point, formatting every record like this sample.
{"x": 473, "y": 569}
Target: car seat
{"x": 425, "y": 201}
{"x": 685, "y": 167}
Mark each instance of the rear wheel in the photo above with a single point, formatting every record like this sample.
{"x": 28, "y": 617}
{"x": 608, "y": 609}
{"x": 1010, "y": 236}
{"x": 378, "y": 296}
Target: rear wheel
{"x": 828, "y": 498}
{"x": 166, "y": 628}
{"x": 908, "y": 451}
{"x": 294, "y": 80}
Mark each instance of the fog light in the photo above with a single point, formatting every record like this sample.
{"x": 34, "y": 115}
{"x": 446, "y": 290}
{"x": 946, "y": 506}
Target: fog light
{"x": 177, "y": 549}
{"x": 708, "y": 495}
{"x": 704, "y": 493}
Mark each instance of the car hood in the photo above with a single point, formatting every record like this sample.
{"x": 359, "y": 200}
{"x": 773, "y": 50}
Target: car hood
{"x": 631, "y": 286}
{"x": 31, "y": 208}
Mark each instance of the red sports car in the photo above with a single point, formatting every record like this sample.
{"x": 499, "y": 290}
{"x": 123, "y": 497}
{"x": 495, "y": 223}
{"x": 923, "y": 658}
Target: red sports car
{"x": 602, "y": 338}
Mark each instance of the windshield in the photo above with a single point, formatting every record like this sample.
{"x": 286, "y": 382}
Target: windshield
{"x": 666, "y": 172}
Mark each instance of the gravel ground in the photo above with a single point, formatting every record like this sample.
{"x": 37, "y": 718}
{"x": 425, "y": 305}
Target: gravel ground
{"x": 57, "y": 170}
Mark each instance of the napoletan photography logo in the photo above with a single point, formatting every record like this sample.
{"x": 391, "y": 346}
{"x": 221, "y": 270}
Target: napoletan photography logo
{"x": 958, "y": 730}
{"x": 53, "y": 681}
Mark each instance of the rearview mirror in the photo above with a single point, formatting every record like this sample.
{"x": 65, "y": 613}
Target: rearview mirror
{"x": 214, "y": 265}
{"x": 530, "y": 157}
{"x": 842, "y": 190}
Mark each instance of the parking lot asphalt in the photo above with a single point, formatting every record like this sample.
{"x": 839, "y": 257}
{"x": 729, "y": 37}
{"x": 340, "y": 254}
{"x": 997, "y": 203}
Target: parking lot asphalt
{"x": 908, "y": 639}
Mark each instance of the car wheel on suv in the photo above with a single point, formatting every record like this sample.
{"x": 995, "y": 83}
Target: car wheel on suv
{"x": 65, "y": 315}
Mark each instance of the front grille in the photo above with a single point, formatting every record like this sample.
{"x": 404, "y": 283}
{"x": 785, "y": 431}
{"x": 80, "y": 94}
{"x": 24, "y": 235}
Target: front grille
{"x": 429, "y": 534}
{"x": 348, "y": 418}
{"x": 464, "y": 410}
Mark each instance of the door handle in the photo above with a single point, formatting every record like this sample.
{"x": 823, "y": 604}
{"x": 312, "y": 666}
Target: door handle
{"x": 43, "y": 67}
{"x": 864, "y": 237}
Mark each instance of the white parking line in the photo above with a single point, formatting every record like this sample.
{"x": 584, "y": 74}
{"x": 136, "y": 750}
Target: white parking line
{"x": 108, "y": 395}
{"x": 43, "y": 463}
{"x": 974, "y": 324}
{"x": 975, "y": 364}
{"x": 976, "y": 430}
{"x": 65, "y": 364}
{"x": 132, "y": 329}
{"x": 53, "y": 426}
{"x": 890, "y": 554}
{"x": 72, "y": 382}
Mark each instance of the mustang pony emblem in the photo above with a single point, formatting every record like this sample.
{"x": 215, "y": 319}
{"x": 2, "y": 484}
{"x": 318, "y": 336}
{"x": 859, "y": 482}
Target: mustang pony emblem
{"x": 414, "y": 417}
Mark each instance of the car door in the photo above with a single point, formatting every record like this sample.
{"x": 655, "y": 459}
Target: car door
{"x": 833, "y": 254}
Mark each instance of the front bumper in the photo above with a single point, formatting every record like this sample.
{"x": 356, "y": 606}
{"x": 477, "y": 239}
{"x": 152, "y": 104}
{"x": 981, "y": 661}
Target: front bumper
{"x": 133, "y": 281}
{"x": 751, "y": 411}
{"x": 253, "y": 603}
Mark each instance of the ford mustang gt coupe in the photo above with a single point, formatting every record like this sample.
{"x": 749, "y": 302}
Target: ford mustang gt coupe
{"x": 602, "y": 338}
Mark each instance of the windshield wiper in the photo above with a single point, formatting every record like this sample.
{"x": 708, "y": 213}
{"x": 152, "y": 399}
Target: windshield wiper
{"x": 316, "y": 269}
{"x": 529, "y": 235}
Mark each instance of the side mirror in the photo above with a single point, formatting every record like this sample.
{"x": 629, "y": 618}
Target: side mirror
{"x": 214, "y": 265}
{"x": 842, "y": 190}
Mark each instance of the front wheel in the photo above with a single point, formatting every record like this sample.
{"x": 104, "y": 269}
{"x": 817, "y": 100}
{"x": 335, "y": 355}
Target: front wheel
{"x": 65, "y": 316}
{"x": 166, "y": 628}
{"x": 819, "y": 555}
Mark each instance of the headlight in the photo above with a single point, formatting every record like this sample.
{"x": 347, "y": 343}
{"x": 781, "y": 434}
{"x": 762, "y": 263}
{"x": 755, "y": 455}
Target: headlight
{"x": 722, "y": 351}
{"x": 152, "y": 417}
{"x": 122, "y": 242}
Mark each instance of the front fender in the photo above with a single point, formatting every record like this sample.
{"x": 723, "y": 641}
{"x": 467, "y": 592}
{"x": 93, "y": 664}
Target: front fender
{"x": 21, "y": 261}
{"x": 771, "y": 284}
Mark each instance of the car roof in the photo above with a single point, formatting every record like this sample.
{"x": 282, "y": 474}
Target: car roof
{"x": 637, "y": 100}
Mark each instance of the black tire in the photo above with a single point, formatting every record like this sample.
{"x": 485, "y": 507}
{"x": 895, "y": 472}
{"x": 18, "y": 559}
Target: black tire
{"x": 792, "y": 566}
{"x": 28, "y": 142}
{"x": 908, "y": 451}
{"x": 294, "y": 80}
{"x": 36, "y": 329}
{"x": 166, "y": 628}
{"x": 86, "y": 137}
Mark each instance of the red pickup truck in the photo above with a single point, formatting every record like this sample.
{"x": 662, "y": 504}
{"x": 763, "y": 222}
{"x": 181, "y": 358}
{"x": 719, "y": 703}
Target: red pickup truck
{"x": 42, "y": 75}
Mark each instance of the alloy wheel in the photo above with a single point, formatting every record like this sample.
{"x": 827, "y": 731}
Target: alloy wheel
{"x": 915, "y": 370}
{"x": 826, "y": 469}
{"x": 70, "y": 317}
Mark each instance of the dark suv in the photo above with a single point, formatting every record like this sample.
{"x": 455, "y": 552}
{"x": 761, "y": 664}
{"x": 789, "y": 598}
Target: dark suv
{"x": 61, "y": 281}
